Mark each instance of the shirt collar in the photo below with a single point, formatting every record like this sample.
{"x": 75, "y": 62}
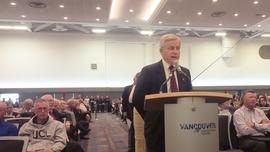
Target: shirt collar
{"x": 165, "y": 64}
{"x": 247, "y": 109}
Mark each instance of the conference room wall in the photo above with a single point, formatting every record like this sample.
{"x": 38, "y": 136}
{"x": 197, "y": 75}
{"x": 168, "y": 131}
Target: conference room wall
{"x": 46, "y": 60}
{"x": 31, "y": 60}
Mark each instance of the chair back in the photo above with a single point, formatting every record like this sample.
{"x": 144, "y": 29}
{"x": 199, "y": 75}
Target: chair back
{"x": 18, "y": 121}
{"x": 13, "y": 143}
{"x": 224, "y": 141}
{"x": 233, "y": 135}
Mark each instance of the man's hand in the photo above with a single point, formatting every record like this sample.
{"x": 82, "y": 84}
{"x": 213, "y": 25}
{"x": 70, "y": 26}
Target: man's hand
{"x": 251, "y": 124}
{"x": 264, "y": 121}
{"x": 48, "y": 150}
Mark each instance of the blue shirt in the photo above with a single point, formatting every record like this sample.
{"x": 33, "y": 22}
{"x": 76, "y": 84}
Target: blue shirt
{"x": 8, "y": 129}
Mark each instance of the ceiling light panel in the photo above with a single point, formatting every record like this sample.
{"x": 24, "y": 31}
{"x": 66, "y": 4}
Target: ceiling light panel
{"x": 236, "y": 13}
{"x": 82, "y": 11}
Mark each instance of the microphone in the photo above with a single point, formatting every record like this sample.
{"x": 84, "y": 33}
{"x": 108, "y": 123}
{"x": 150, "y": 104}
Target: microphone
{"x": 165, "y": 82}
{"x": 179, "y": 69}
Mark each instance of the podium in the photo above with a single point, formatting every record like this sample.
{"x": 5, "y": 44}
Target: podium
{"x": 191, "y": 121}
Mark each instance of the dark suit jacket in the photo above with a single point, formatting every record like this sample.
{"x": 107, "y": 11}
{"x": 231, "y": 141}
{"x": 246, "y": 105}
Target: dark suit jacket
{"x": 149, "y": 82}
{"x": 127, "y": 107}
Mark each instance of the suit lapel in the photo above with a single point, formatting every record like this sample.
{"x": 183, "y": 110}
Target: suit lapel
{"x": 161, "y": 75}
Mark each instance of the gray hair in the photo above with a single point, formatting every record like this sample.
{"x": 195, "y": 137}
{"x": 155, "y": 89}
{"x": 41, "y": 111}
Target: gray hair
{"x": 168, "y": 37}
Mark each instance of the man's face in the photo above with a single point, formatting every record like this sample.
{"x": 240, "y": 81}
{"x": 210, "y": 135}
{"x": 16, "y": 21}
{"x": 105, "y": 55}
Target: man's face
{"x": 250, "y": 100}
{"x": 49, "y": 99}
{"x": 42, "y": 110}
{"x": 170, "y": 51}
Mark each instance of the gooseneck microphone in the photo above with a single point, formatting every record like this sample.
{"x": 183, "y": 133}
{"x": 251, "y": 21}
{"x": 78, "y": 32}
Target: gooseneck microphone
{"x": 178, "y": 68}
{"x": 165, "y": 82}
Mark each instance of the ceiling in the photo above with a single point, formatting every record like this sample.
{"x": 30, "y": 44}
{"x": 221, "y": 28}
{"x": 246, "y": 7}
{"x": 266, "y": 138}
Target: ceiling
{"x": 116, "y": 16}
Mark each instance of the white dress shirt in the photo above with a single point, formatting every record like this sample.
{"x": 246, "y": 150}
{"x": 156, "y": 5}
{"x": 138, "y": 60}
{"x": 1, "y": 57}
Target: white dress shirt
{"x": 243, "y": 117}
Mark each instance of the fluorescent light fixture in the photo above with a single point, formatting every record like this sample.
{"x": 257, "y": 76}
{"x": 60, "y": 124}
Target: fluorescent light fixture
{"x": 219, "y": 24}
{"x": 236, "y": 14}
{"x": 61, "y": 6}
{"x": 15, "y": 27}
{"x": 259, "y": 25}
{"x": 147, "y": 32}
{"x": 98, "y": 30}
{"x": 65, "y": 18}
{"x": 245, "y": 25}
{"x": 151, "y": 9}
{"x": 221, "y": 34}
{"x": 265, "y": 35}
{"x": 187, "y": 23}
{"x": 23, "y": 16}
{"x": 97, "y": 19}
{"x": 214, "y": 1}
{"x": 160, "y": 22}
{"x": 115, "y": 8}
{"x": 131, "y": 10}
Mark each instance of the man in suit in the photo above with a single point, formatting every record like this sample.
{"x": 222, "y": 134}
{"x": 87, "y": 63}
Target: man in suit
{"x": 150, "y": 81}
{"x": 128, "y": 111}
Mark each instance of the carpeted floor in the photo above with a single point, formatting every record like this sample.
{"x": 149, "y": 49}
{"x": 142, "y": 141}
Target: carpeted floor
{"x": 108, "y": 134}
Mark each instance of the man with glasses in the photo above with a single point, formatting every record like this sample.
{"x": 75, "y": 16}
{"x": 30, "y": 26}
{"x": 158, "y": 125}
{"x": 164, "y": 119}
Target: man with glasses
{"x": 46, "y": 134}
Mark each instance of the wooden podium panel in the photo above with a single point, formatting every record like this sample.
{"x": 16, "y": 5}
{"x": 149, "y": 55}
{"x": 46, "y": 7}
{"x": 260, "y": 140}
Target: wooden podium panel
{"x": 156, "y": 102}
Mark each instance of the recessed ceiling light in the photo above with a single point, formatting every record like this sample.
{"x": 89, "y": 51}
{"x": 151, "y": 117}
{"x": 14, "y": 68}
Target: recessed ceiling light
{"x": 245, "y": 25}
{"x": 265, "y": 35}
{"x": 169, "y": 12}
{"x": 98, "y": 30}
{"x": 97, "y": 19}
{"x": 220, "y": 34}
{"x": 15, "y": 27}
{"x": 219, "y": 24}
{"x": 65, "y": 18}
{"x": 214, "y": 1}
{"x": 147, "y": 32}
{"x": 236, "y": 14}
{"x": 256, "y": 2}
{"x": 263, "y": 15}
{"x": 98, "y": 8}
{"x": 13, "y": 3}
{"x": 259, "y": 25}
{"x": 160, "y": 22}
{"x": 131, "y": 10}
{"x": 199, "y": 13}
{"x": 61, "y": 6}
{"x": 126, "y": 21}
{"x": 23, "y": 16}
{"x": 187, "y": 23}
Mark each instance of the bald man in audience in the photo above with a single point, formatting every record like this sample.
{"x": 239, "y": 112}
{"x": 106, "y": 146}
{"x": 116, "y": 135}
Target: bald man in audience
{"x": 250, "y": 121}
{"x": 6, "y": 128}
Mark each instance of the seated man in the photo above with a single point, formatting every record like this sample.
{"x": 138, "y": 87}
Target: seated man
{"x": 45, "y": 133}
{"x": 250, "y": 121}
{"x": 6, "y": 128}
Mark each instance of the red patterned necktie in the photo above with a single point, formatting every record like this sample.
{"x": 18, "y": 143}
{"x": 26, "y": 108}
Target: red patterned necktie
{"x": 173, "y": 84}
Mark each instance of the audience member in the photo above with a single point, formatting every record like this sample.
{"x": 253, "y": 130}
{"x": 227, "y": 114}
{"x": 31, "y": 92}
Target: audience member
{"x": 250, "y": 121}
{"x": 45, "y": 133}
{"x": 6, "y": 128}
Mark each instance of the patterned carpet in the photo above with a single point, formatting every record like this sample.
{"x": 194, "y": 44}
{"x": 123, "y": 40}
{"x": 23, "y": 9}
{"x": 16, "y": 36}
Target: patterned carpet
{"x": 108, "y": 134}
